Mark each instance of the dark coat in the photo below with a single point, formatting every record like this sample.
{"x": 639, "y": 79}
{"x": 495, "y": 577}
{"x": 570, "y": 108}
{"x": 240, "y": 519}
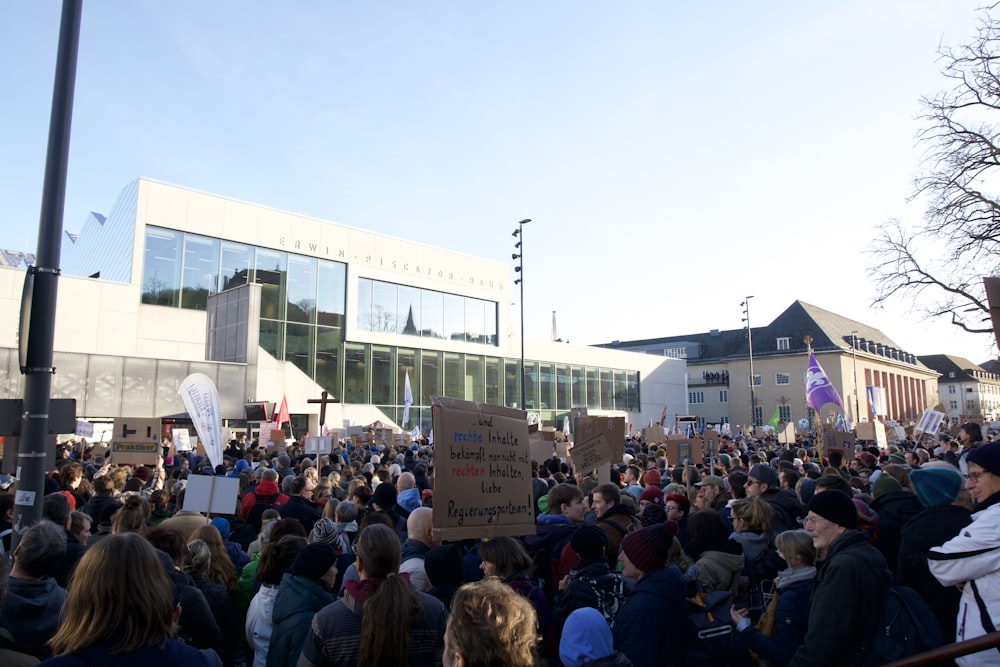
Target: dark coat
{"x": 894, "y": 510}
{"x": 174, "y": 652}
{"x": 787, "y": 509}
{"x": 616, "y": 523}
{"x": 791, "y": 616}
{"x": 650, "y": 628}
{"x": 299, "y": 508}
{"x": 297, "y": 602}
{"x": 847, "y": 599}
{"x": 931, "y": 528}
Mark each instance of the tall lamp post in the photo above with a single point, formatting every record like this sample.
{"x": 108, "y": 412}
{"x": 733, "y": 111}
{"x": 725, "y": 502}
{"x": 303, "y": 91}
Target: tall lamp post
{"x": 746, "y": 318}
{"x": 854, "y": 359}
{"x": 519, "y": 256}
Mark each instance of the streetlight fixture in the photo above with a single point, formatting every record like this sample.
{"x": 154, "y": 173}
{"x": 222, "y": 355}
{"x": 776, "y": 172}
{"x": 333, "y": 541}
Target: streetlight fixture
{"x": 746, "y": 318}
{"x": 854, "y": 359}
{"x": 519, "y": 256}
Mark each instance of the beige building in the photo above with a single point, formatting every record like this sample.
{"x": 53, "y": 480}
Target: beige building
{"x": 966, "y": 391}
{"x": 889, "y": 382}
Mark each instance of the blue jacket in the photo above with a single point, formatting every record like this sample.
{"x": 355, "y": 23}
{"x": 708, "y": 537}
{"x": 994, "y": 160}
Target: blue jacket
{"x": 650, "y": 628}
{"x": 791, "y": 618}
{"x": 174, "y": 652}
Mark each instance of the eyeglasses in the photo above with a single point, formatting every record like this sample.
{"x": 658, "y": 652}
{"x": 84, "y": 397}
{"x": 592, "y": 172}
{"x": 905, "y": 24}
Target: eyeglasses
{"x": 751, "y": 482}
{"x": 974, "y": 476}
{"x": 811, "y": 519}
{"x": 671, "y": 508}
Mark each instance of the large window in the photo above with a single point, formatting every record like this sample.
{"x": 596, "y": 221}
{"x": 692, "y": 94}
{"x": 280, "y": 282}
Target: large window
{"x": 161, "y": 272}
{"x": 410, "y": 311}
{"x": 696, "y": 397}
{"x": 200, "y": 273}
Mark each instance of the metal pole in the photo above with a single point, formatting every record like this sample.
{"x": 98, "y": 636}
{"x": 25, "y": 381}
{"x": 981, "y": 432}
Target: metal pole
{"x": 36, "y": 361}
{"x": 753, "y": 400}
{"x": 519, "y": 232}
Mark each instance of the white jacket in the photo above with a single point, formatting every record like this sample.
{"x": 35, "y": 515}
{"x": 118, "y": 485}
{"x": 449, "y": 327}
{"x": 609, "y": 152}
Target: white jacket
{"x": 972, "y": 558}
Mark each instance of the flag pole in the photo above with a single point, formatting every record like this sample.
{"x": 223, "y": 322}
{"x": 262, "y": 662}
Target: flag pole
{"x": 819, "y": 432}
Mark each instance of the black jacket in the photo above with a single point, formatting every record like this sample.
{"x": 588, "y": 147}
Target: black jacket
{"x": 787, "y": 509}
{"x": 847, "y": 599}
{"x": 894, "y": 510}
{"x": 299, "y": 508}
{"x": 931, "y": 528}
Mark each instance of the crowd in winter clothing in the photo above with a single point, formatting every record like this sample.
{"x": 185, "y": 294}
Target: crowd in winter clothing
{"x": 334, "y": 559}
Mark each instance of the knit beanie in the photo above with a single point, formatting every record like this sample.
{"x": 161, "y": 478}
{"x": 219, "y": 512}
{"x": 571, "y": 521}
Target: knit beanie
{"x": 987, "y": 456}
{"x": 324, "y": 531}
{"x": 936, "y": 487}
{"x": 443, "y": 565}
{"x": 314, "y": 560}
{"x": 385, "y": 495}
{"x": 897, "y": 457}
{"x": 653, "y": 514}
{"x": 835, "y": 506}
{"x": 588, "y": 542}
{"x": 222, "y": 526}
{"x": 652, "y": 478}
{"x": 885, "y": 484}
{"x": 649, "y": 547}
{"x": 653, "y": 494}
{"x": 142, "y": 472}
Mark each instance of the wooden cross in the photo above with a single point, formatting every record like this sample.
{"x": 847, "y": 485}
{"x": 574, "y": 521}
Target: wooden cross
{"x": 323, "y": 399}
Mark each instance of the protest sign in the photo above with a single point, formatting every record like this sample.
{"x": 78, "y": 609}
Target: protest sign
{"x": 318, "y": 445}
{"x": 684, "y": 451}
{"x": 786, "y": 434}
{"x": 653, "y": 433}
{"x": 613, "y": 429}
{"x": 541, "y": 449}
{"x": 930, "y": 422}
{"x": 182, "y": 440}
{"x": 135, "y": 441}
{"x": 210, "y": 494}
{"x": 590, "y": 454}
{"x": 482, "y": 480}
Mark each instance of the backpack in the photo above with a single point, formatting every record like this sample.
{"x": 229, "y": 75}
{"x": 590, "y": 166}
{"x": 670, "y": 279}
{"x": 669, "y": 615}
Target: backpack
{"x": 711, "y": 638}
{"x": 257, "y": 510}
{"x": 609, "y": 591}
{"x": 906, "y": 626}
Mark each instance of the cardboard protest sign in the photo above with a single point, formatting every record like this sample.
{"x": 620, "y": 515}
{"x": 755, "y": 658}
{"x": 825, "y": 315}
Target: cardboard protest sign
{"x": 653, "y": 433}
{"x": 590, "y": 454}
{"x": 562, "y": 449}
{"x": 482, "y": 478}
{"x": 135, "y": 441}
{"x": 541, "y": 449}
{"x": 710, "y": 443}
{"x": 684, "y": 451}
{"x": 210, "y": 494}
{"x": 276, "y": 435}
{"x": 786, "y": 434}
{"x": 613, "y": 429}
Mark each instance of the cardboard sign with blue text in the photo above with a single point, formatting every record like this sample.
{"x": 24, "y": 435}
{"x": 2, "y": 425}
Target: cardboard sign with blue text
{"x": 482, "y": 471}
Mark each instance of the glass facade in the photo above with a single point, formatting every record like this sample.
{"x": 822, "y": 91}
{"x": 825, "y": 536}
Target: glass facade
{"x": 410, "y": 311}
{"x": 302, "y": 318}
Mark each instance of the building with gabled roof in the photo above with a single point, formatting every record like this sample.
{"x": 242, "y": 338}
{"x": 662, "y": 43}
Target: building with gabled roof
{"x": 719, "y": 369}
{"x": 967, "y": 391}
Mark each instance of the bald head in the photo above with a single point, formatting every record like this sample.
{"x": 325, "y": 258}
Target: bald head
{"x": 419, "y": 525}
{"x": 405, "y": 481}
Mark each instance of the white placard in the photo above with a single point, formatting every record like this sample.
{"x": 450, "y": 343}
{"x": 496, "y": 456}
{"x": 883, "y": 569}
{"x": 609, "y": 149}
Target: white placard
{"x": 25, "y": 498}
{"x": 215, "y": 495}
{"x": 182, "y": 439}
{"x": 930, "y": 422}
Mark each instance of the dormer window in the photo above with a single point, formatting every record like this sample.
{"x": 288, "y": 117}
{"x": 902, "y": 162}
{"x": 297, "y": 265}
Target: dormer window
{"x": 784, "y": 344}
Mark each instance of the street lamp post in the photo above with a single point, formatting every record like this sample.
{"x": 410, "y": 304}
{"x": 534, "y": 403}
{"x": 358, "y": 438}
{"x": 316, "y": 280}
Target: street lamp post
{"x": 519, "y": 256}
{"x": 753, "y": 400}
{"x": 854, "y": 359}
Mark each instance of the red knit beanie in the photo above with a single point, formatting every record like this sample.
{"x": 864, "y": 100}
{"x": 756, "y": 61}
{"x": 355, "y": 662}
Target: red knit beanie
{"x": 649, "y": 547}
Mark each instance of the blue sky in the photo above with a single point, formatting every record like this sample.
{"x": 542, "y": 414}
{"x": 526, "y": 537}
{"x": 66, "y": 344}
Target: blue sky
{"x": 674, "y": 157}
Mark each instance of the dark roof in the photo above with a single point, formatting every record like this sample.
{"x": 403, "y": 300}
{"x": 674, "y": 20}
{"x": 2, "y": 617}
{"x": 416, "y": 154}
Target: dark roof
{"x": 963, "y": 369}
{"x": 828, "y": 330}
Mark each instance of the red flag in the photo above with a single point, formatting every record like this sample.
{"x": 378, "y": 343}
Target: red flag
{"x": 282, "y": 416}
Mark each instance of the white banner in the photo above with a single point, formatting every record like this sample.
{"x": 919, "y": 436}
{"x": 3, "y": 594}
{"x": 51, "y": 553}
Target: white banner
{"x": 201, "y": 399}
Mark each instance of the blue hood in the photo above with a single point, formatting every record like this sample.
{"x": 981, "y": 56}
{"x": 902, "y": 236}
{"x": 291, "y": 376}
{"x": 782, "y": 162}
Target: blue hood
{"x": 409, "y": 500}
{"x": 586, "y": 637}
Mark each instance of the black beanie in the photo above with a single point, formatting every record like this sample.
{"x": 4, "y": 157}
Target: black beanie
{"x": 588, "y": 542}
{"x": 835, "y": 506}
{"x": 314, "y": 560}
{"x": 444, "y": 565}
{"x": 384, "y": 496}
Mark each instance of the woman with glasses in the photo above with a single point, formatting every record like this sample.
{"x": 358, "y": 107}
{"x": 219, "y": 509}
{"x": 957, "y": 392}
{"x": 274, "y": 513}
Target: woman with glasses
{"x": 971, "y": 560}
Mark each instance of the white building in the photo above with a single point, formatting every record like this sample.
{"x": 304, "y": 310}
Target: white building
{"x": 303, "y": 306}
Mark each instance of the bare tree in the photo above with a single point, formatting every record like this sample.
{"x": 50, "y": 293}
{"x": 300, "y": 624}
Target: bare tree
{"x": 944, "y": 259}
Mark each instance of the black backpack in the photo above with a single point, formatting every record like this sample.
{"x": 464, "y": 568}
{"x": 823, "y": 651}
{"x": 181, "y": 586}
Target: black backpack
{"x": 257, "y": 510}
{"x": 711, "y": 638}
{"x": 906, "y": 626}
{"x": 609, "y": 591}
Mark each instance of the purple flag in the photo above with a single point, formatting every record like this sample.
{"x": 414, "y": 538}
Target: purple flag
{"x": 819, "y": 390}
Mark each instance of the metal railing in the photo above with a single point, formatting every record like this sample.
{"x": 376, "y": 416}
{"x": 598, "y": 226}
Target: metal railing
{"x": 949, "y": 651}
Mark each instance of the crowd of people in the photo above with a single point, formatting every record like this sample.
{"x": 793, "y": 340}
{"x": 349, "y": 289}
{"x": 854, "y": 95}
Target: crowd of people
{"x": 335, "y": 560}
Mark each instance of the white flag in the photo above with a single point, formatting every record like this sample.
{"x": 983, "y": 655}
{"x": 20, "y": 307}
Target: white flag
{"x": 201, "y": 399}
{"x": 407, "y": 399}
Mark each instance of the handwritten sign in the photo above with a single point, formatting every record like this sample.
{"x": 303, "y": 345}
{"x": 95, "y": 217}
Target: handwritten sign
{"x": 685, "y": 451}
{"x": 482, "y": 481}
{"x": 541, "y": 449}
{"x": 318, "y": 445}
{"x": 930, "y": 422}
{"x": 613, "y": 429}
{"x": 590, "y": 454}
